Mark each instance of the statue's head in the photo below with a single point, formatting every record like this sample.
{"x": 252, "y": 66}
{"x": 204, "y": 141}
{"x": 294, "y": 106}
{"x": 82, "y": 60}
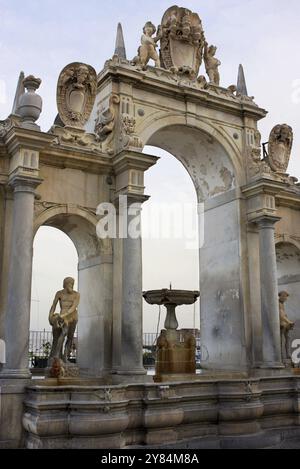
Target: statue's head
{"x": 149, "y": 28}
{"x": 283, "y": 296}
{"x": 69, "y": 284}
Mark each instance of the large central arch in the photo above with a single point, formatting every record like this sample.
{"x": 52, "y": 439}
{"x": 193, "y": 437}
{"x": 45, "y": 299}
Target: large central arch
{"x": 215, "y": 171}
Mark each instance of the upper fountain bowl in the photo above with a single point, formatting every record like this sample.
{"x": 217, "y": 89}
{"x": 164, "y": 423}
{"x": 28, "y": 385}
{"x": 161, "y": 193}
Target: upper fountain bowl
{"x": 171, "y": 297}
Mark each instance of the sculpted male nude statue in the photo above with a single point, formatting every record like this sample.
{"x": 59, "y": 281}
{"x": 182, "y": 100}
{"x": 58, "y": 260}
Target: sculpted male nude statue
{"x": 64, "y": 324}
{"x": 285, "y": 326}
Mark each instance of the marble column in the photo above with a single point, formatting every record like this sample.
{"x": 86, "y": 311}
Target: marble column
{"x": 127, "y": 344}
{"x": 132, "y": 300}
{"x": 17, "y": 318}
{"x": 269, "y": 293}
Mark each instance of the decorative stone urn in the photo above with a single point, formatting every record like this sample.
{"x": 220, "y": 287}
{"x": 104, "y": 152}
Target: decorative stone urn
{"x": 176, "y": 351}
{"x": 30, "y": 104}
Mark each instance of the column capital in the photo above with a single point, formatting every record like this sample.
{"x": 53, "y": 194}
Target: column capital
{"x": 129, "y": 168}
{"x": 133, "y": 160}
{"x": 266, "y": 221}
{"x": 131, "y": 199}
{"x": 21, "y": 183}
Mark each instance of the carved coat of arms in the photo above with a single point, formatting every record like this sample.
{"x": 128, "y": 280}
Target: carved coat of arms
{"x": 76, "y": 94}
{"x": 182, "y": 41}
{"x": 280, "y": 147}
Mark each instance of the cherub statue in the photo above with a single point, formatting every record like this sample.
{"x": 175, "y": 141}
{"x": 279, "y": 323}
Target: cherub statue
{"x": 285, "y": 326}
{"x": 212, "y": 64}
{"x": 147, "y": 50}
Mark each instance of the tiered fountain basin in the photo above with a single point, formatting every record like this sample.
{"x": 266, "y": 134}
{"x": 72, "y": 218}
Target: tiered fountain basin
{"x": 175, "y": 352}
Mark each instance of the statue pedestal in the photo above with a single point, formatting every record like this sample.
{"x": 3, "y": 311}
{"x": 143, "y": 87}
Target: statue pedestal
{"x": 175, "y": 356}
{"x": 59, "y": 369}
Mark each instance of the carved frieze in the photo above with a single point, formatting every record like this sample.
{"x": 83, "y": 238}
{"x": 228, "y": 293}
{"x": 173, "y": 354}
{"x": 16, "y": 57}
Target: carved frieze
{"x": 69, "y": 136}
{"x": 263, "y": 168}
{"x": 128, "y": 132}
{"x": 256, "y": 166}
{"x": 106, "y": 122}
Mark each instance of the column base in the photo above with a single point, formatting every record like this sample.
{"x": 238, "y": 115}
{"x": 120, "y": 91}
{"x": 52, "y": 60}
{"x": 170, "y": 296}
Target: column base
{"x": 6, "y": 373}
{"x": 272, "y": 366}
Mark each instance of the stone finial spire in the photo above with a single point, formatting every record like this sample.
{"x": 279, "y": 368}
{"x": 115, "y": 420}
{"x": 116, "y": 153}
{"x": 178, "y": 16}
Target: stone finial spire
{"x": 19, "y": 91}
{"x": 241, "y": 83}
{"x": 120, "y": 49}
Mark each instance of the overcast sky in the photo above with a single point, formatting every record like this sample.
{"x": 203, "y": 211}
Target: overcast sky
{"x": 42, "y": 36}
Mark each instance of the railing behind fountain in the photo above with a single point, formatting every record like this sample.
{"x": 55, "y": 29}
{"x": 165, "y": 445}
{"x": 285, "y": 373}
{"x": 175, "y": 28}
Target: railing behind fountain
{"x": 149, "y": 341}
{"x": 40, "y": 343}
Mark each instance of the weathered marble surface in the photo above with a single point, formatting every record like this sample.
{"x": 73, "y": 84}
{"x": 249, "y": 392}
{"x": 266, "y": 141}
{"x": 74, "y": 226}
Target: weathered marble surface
{"x": 231, "y": 413}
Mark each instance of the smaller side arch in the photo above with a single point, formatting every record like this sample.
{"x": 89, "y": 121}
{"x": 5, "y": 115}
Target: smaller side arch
{"x": 95, "y": 283}
{"x": 77, "y": 223}
{"x": 288, "y": 269}
{"x": 287, "y": 239}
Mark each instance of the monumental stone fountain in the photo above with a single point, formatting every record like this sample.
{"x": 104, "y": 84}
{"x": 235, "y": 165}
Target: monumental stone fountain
{"x": 175, "y": 350}
{"x": 249, "y": 394}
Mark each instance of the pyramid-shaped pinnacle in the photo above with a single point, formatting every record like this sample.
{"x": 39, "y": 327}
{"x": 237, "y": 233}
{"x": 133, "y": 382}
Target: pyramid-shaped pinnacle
{"x": 241, "y": 83}
{"x": 19, "y": 91}
{"x": 120, "y": 49}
